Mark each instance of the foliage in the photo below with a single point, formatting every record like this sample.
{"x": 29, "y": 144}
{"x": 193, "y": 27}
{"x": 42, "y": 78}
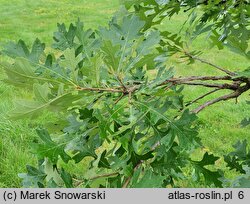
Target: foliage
{"x": 240, "y": 161}
{"x": 123, "y": 109}
{"x": 226, "y": 22}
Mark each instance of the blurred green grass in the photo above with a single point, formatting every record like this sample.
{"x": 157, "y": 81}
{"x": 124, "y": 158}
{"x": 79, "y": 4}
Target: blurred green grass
{"x": 27, "y": 20}
{"x": 22, "y": 19}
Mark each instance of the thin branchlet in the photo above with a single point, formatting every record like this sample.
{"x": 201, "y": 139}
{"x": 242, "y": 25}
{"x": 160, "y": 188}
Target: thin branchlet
{"x": 238, "y": 86}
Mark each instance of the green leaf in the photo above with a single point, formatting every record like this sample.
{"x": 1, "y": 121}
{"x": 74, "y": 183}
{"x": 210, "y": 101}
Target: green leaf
{"x": 103, "y": 162}
{"x": 151, "y": 39}
{"x": 150, "y": 180}
{"x": 41, "y": 92}
{"x": 130, "y": 28}
{"x": 52, "y": 184}
{"x": 238, "y": 158}
{"x": 33, "y": 178}
{"x": 245, "y": 122}
{"x": 64, "y": 38}
{"x": 245, "y": 73}
{"x": 33, "y": 171}
{"x": 145, "y": 47}
{"x": 94, "y": 70}
{"x": 115, "y": 182}
{"x": 185, "y": 130}
{"x": 211, "y": 177}
{"x": 82, "y": 143}
{"x": 21, "y": 50}
{"x": 242, "y": 181}
{"x": 238, "y": 46}
{"x": 67, "y": 179}
{"x": 85, "y": 152}
{"x": 74, "y": 125}
{"x": 162, "y": 2}
{"x": 163, "y": 74}
{"x": 170, "y": 162}
{"x": 50, "y": 149}
{"x": 44, "y": 136}
{"x": 86, "y": 41}
{"x": 136, "y": 158}
{"x": 124, "y": 36}
{"x": 111, "y": 55}
{"x": 70, "y": 62}
{"x": 51, "y": 171}
{"x": 241, "y": 151}
{"x": 233, "y": 163}
{"x": 37, "y": 51}
{"x": 182, "y": 128}
{"x": 22, "y": 74}
{"x": 24, "y": 108}
{"x": 32, "y": 109}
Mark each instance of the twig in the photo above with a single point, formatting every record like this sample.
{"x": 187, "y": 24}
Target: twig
{"x": 220, "y": 86}
{"x": 127, "y": 181}
{"x": 211, "y": 64}
{"x": 189, "y": 81}
{"x": 203, "y": 78}
{"x": 97, "y": 177}
{"x": 239, "y": 85}
{"x": 125, "y": 185}
{"x": 234, "y": 94}
{"x": 130, "y": 98}
{"x": 100, "y": 89}
{"x": 170, "y": 86}
{"x": 201, "y": 97}
{"x": 120, "y": 97}
{"x": 121, "y": 82}
{"x": 104, "y": 175}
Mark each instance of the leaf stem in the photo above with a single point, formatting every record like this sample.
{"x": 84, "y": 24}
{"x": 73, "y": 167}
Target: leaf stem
{"x": 127, "y": 181}
{"x": 114, "y": 90}
{"x": 201, "y": 97}
{"x": 97, "y": 177}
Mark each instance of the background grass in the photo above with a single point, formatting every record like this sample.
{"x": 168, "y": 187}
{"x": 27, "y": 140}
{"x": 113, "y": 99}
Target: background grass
{"x": 27, "y": 20}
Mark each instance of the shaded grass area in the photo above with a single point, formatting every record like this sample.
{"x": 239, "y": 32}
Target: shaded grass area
{"x": 27, "y": 20}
